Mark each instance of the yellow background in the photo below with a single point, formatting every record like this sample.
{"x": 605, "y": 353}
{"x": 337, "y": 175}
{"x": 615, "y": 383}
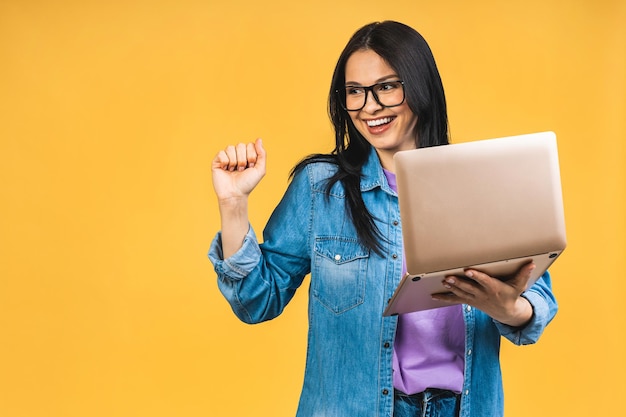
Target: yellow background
{"x": 110, "y": 112}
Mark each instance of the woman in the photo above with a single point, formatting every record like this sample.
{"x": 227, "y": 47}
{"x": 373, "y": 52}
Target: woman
{"x": 339, "y": 221}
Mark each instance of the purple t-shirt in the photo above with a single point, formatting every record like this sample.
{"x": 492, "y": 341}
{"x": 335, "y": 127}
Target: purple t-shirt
{"x": 429, "y": 350}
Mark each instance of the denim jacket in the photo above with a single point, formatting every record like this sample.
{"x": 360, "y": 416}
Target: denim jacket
{"x": 350, "y": 344}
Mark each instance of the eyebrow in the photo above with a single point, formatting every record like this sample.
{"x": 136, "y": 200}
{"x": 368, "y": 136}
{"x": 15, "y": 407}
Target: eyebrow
{"x": 380, "y": 80}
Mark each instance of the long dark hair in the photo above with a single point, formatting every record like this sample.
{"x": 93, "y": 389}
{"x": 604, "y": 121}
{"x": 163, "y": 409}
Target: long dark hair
{"x": 408, "y": 54}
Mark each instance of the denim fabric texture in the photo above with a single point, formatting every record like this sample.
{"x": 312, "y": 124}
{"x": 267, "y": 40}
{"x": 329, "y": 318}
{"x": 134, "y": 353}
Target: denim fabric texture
{"x": 350, "y": 344}
{"x": 430, "y": 403}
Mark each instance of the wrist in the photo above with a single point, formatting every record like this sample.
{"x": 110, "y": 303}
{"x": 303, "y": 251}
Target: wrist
{"x": 233, "y": 201}
{"x": 233, "y": 208}
{"x": 522, "y": 313}
{"x": 235, "y": 224}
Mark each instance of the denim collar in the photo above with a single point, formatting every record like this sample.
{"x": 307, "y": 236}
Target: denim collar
{"x": 372, "y": 174}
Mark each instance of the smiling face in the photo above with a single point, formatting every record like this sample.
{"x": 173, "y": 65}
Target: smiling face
{"x": 387, "y": 129}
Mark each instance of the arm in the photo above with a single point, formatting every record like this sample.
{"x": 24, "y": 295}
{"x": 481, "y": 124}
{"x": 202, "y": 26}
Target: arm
{"x": 502, "y": 300}
{"x": 520, "y": 314}
{"x": 259, "y": 280}
{"x": 544, "y": 306}
{"x": 237, "y": 170}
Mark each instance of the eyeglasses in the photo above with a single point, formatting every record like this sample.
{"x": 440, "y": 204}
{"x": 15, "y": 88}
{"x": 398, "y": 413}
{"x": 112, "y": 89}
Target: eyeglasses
{"x": 387, "y": 94}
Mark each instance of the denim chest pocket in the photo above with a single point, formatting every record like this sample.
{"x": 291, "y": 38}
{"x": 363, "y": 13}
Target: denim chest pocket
{"x": 338, "y": 278}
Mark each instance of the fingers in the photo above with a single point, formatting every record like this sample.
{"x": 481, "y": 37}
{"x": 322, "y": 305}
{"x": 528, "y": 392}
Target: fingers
{"x": 448, "y": 297}
{"x": 460, "y": 287}
{"x": 527, "y": 269}
{"x": 522, "y": 277}
{"x": 241, "y": 156}
{"x": 499, "y": 299}
{"x": 475, "y": 282}
{"x": 473, "y": 285}
{"x": 251, "y": 156}
{"x": 260, "y": 154}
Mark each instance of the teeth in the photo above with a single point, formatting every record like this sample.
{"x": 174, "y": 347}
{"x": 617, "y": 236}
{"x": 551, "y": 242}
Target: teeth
{"x": 378, "y": 122}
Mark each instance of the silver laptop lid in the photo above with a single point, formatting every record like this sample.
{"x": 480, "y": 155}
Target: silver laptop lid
{"x": 479, "y": 202}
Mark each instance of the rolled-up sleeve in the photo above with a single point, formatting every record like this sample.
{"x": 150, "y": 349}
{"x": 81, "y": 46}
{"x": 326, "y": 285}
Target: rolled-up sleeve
{"x": 259, "y": 280}
{"x": 544, "y": 307}
{"x": 241, "y": 263}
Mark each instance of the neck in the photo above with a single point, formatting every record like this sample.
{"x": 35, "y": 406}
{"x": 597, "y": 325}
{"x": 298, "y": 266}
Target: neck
{"x": 386, "y": 160}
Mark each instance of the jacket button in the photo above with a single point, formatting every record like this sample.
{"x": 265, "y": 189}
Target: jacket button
{"x": 395, "y": 222}
{"x": 385, "y": 391}
{"x": 386, "y": 345}
{"x": 394, "y": 256}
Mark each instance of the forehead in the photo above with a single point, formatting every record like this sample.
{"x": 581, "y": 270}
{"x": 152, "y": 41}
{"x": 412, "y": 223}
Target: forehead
{"x": 367, "y": 67}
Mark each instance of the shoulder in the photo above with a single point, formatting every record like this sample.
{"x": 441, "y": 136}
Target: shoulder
{"x": 316, "y": 170}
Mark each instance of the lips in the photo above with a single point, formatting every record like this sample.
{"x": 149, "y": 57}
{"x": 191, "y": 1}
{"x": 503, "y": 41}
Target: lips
{"x": 380, "y": 125}
{"x": 379, "y": 122}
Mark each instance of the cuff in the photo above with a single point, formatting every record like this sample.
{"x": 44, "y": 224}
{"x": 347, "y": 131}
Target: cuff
{"x": 239, "y": 265}
{"x": 532, "y": 330}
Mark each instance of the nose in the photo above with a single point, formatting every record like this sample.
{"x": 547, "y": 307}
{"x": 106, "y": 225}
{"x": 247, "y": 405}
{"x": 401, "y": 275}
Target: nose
{"x": 371, "y": 104}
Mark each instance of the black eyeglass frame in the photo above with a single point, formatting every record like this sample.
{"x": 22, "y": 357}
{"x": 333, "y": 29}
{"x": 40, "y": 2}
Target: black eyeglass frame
{"x": 341, "y": 96}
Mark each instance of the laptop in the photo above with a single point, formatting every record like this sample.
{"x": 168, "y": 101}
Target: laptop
{"x": 491, "y": 205}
